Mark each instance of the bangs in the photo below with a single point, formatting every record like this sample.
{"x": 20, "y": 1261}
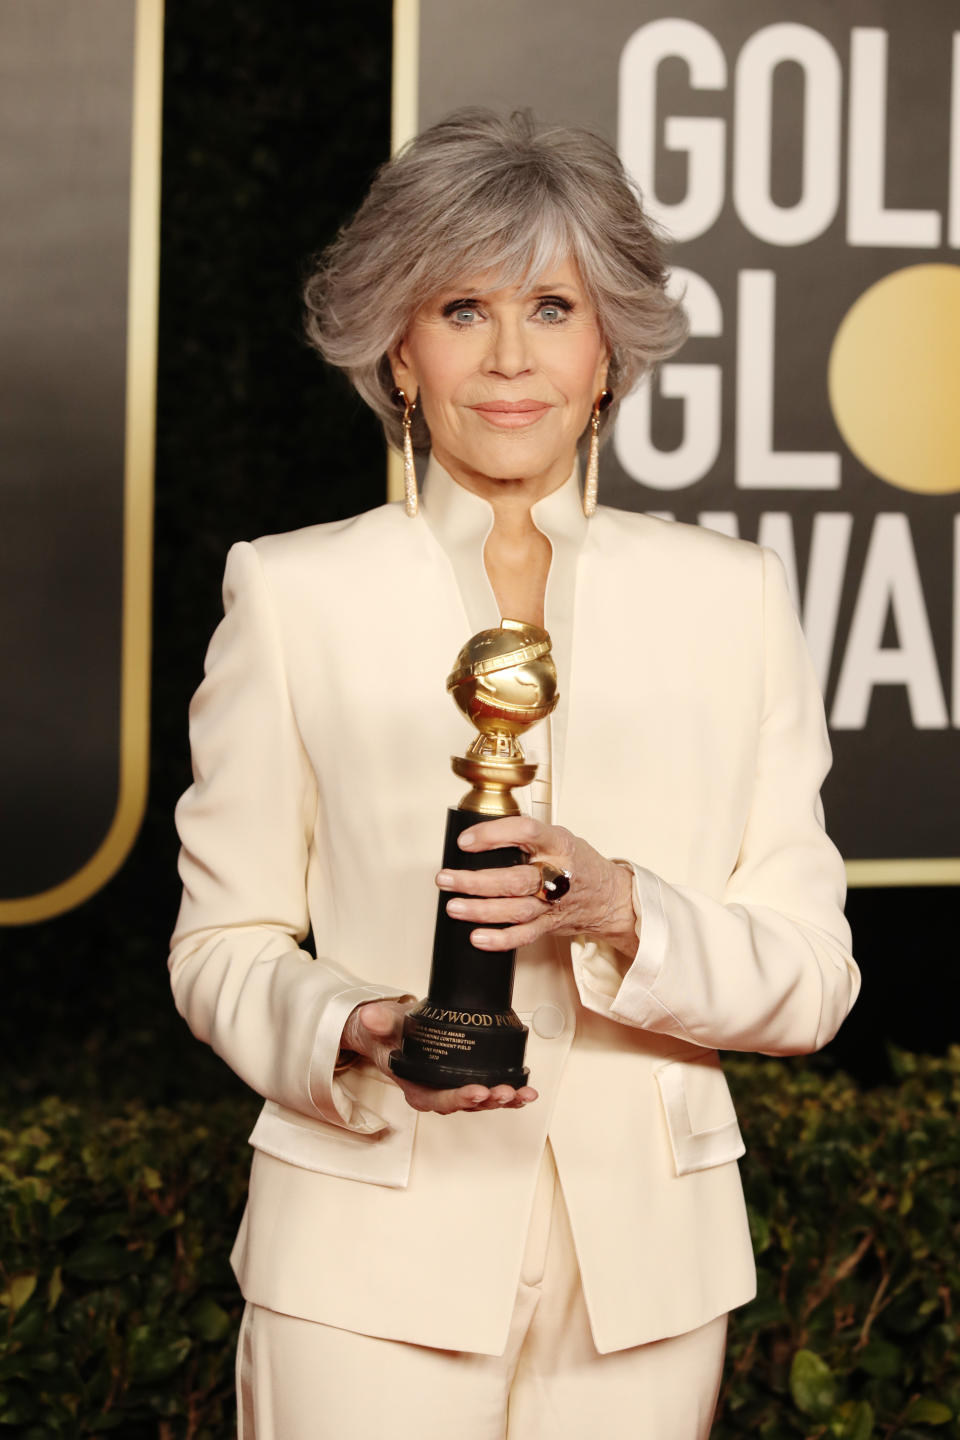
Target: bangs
{"x": 505, "y": 245}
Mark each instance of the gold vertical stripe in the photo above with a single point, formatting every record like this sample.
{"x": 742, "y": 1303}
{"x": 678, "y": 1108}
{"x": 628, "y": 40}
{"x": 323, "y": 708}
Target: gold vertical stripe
{"x": 404, "y": 109}
{"x": 862, "y": 874}
{"x": 404, "y": 106}
{"x": 141, "y": 378}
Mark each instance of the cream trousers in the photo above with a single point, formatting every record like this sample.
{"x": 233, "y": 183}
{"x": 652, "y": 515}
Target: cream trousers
{"x": 297, "y": 1380}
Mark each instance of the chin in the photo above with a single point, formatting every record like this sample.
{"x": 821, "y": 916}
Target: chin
{"x": 516, "y": 460}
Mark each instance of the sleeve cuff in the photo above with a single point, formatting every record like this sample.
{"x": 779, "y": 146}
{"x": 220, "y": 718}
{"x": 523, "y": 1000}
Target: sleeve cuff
{"x": 332, "y": 1099}
{"x": 604, "y": 986}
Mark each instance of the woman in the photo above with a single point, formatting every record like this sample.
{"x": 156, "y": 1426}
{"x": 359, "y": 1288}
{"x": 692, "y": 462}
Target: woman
{"x": 570, "y": 1263}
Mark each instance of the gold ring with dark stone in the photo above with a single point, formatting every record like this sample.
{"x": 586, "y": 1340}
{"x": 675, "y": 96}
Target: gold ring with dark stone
{"x": 554, "y": 883}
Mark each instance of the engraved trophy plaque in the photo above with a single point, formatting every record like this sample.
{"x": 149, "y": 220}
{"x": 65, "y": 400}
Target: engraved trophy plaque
{"x": 465, "y": 1031}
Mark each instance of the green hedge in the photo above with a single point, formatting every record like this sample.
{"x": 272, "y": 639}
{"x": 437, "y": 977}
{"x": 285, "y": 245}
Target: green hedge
{"x": 121, "y": 1311}
{"x": 853, "y": 1198}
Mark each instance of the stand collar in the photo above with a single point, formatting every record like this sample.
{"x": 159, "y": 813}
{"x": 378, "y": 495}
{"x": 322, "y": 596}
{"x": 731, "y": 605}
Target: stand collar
{"x": 461, "y": 522}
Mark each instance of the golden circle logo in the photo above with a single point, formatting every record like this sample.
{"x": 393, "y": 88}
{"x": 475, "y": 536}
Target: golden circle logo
{"x": 894, "y": 378}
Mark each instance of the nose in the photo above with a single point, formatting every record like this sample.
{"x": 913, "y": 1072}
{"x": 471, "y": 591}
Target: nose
{"x": 509, "y": 353}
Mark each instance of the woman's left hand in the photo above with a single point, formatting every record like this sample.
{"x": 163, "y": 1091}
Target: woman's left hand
{"x": 599, "y": 902}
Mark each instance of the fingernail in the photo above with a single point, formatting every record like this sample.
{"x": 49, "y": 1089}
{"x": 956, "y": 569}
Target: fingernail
{"x": 482, "y": 938}
{"x": 445, "y": 879}
{"x": 455, "y": 907}
{"x": 467, "y": 840}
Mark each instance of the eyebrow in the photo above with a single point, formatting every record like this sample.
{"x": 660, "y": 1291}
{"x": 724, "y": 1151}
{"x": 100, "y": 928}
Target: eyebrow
{"x": 560, "y": 291}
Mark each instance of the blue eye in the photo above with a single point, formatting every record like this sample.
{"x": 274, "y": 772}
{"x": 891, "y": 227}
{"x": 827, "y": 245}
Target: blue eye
{"x": 463, "y": 312}
{"x": 552, "y": 314}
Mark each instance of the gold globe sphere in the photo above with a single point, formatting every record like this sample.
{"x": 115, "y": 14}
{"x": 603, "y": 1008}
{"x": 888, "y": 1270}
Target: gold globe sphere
{"x": 503, "y": 681}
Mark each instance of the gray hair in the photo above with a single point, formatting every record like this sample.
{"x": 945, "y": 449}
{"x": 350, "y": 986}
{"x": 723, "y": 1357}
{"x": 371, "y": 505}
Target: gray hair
{"x": 481, "y": 192}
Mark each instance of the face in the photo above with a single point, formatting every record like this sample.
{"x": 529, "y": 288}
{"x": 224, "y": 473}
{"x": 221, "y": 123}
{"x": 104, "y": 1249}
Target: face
{"x": 506, "y": 378}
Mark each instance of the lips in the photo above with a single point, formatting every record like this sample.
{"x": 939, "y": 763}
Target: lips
{"x": 511, "y": 414}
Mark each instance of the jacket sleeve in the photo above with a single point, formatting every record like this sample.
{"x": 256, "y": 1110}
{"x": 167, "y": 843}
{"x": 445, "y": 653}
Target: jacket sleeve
{"x": 767, "y": 966}
{"x": 239, "y": 975}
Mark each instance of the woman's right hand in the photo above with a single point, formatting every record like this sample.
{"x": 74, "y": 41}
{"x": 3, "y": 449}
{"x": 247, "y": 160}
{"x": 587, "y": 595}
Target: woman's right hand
{"x": 374, "y": 1029}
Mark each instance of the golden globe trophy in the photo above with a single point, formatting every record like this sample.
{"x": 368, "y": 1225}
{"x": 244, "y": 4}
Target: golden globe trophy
{"x": 465, "y": 1032}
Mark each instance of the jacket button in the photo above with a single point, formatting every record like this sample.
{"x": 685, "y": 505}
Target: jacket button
{"x": 549, "y": 1021}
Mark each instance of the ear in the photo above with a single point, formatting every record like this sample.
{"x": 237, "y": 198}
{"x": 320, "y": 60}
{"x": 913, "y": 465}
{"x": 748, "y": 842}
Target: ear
{"x": 404, "y": 375}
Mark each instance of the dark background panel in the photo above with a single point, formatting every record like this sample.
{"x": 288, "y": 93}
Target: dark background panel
{"x": 576, "y": 78}
{"x": 273, "y": 126}
{"x": 65, "y": 90}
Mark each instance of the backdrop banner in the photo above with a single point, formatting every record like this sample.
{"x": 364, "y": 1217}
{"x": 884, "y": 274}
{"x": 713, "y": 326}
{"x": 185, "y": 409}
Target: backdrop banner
{"x": 80, "y": 171}
{"x": 805, "y": 160}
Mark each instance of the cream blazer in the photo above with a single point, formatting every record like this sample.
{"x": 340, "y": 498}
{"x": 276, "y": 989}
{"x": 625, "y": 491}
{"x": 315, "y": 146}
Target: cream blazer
{"x": 690, "y": 740}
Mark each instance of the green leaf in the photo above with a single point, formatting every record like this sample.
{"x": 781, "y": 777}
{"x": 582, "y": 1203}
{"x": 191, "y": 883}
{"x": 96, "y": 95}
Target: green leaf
{"x": 759, "y": 1229}
{"x": 109, "y": 1224}
{"x": 55, "y": 1288}
{"x": 151, "y": 1178}
{"x": 853, "y": 1420}
{"x": 33, "y": 1188}
{"x": 903, "y": 1317}
{"x": 860, "y": 1426}
{"x": 109, "y": 1421}
{"x": 761, "y": 1315}
{"x": 812, "y": 1385}
{"x": 209, "y": 1320}
{"x": 35, "y": 1137}
{"x": 46, "y": 1362}
{"x": 927, "y": 1412}
{"x": 19, "y": 1290}
{"x": 100, "y": 1262}
{"x": 881, "y": 1358}
{"x": 16, "y": 1409}
{"x": 151, "y": 1360}
{"x": 28, "y": 1325}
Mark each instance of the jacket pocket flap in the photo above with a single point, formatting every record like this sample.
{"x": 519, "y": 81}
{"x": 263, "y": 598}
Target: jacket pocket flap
{"x": 701, "y": 1120}
{"x": 382, "y": 1158}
